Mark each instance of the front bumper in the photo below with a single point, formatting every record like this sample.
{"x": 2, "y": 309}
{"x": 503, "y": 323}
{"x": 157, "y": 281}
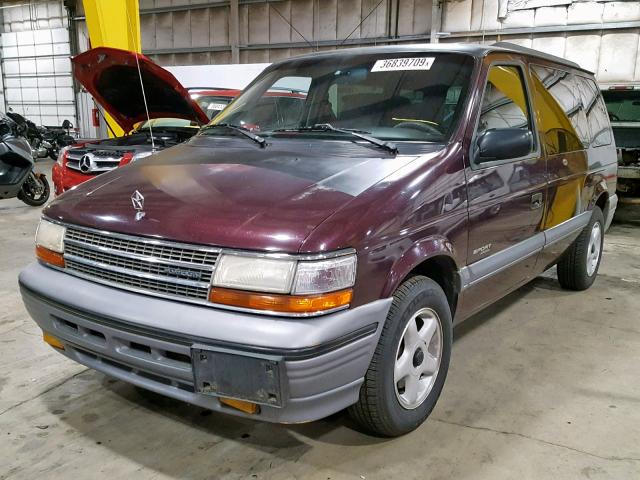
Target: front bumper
{"x": 148, "y": 341}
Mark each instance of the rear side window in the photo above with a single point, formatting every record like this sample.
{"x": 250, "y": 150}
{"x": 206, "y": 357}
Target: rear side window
{"x": 597, "y": 115}
{"x": 557, "y": 130}
{"x": 559, "y": 92}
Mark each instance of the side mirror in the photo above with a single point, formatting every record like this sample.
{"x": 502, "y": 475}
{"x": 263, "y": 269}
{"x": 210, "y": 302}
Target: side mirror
{"x": 503, "y": 143}
{"x": 67, "y": 125}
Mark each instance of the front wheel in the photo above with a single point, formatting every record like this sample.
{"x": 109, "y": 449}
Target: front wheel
{"x": 35, "y": 190}
{"x": 410, "y": 363}
{"x": 578, "y": 268}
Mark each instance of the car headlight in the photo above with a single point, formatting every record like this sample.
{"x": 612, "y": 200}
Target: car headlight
{"x": 256, "y": 274}
{"x": 50, "y": 243}
{"x": 141, "y": 155}
{"x": 283, "y": 285}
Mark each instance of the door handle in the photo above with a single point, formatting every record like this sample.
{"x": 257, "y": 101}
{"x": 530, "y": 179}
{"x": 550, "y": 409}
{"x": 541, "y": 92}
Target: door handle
{"x": 536, "y": 201}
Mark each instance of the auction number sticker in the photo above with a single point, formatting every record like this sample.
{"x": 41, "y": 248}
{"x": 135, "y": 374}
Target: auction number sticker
{"x": 395, "y": 64}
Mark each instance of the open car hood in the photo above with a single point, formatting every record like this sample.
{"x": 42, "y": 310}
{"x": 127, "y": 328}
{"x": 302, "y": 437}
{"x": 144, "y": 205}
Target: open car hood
{"x": 111, "y": 76}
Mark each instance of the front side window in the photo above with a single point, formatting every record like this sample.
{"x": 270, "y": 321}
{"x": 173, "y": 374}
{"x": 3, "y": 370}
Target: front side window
{"x": 415, "y": 98}
{"x": 504, "y": 104}
{"x": 505, "y": 107}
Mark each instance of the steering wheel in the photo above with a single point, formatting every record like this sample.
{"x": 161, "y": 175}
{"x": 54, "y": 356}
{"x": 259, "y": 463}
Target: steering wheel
{"x": 614, "y": 117}
{"x": 423, "y": 127}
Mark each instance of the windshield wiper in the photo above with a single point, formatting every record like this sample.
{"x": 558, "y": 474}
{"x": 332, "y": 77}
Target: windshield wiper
{"x": 327, "y": 127}
{"x": 237, "y": 128}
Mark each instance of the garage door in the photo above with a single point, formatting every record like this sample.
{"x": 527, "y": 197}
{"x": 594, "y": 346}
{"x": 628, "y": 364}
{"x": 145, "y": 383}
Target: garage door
{"x": 37, "y": 75}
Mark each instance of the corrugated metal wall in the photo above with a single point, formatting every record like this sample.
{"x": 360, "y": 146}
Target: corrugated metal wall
{"x": 601, "y": 35}
{"x": 36, "y": 72}
{"x": 179, "y": 33}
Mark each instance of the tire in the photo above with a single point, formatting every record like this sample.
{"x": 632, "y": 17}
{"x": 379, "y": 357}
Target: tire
{"x": 28, "y": 197}
{"x": 380, "y": 408}
{"x": 578, "y": 268}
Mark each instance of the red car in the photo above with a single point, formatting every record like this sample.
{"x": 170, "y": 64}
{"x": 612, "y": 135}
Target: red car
{"x": 213, "y": 100}
{"x": 111, "y": 76}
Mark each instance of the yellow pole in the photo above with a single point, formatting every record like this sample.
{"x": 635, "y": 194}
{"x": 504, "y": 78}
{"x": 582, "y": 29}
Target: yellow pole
{"x": 116, "y": 24}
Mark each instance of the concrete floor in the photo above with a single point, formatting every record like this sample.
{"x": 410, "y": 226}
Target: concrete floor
{"x": 542, "y": 385}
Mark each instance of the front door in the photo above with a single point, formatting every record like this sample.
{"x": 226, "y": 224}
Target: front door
{"x": 506, "y": 197}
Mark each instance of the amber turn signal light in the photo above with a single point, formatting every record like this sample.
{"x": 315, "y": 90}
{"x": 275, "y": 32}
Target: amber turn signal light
{"x": 53, "y": 341}
{"x": 295, "y": 304}
{"x": 242, "y": 405}
{"x": 49, "y": 256}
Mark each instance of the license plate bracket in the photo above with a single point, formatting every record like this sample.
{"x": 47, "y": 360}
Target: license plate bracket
{"x": 243, "y": 376}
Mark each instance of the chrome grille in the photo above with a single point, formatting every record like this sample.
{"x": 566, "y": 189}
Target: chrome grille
{"x": 99, "y": 160}
{"x": 146, "y": 247}
{"x": 140, "y": 264}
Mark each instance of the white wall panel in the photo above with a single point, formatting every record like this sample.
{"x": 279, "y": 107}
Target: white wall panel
{"x": 457, "y": 16}
{"x": 584, "y": 49}
{"x": 551, "y": 44}
{"x": 585, "y": 12}
{"x": 519, "y": 18}
{"x": 618, "y": 57}
{"x": 621, "y": 11}
{"x": 550, "y": 16}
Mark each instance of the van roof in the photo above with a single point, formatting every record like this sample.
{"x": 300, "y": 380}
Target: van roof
{"x": 475, "y": 50}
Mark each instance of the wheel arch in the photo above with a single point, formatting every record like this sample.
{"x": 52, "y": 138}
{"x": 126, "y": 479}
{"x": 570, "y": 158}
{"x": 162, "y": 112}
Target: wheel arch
{"x": 432, "y": 258}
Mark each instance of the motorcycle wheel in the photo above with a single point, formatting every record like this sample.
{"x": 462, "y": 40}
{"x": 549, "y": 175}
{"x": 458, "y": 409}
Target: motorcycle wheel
{"x": 35, "y": 194}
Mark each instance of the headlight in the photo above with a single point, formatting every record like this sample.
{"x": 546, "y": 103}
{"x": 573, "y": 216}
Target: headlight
{"x": 325, "y": 275}
{"x": 141, "y": 155}
{"x": 283, "y": 285}
{"x": 254, "y": 273}
{"x": 50, "y": 236}
{"x": 50, "y": 243}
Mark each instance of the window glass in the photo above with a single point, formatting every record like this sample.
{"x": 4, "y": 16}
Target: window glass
{"x": 623, "y": 105}
{"x": 417, "y": 98}
{"x": 573, "y": 96}
{"x": 597, "y": 115}
{"x": 504, "y": 104}
{"x": 558, "y": 132}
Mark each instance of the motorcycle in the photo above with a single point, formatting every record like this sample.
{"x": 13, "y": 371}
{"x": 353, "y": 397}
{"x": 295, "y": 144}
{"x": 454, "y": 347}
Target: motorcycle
{"x": 57, "y": 138}
{"x": 44, "y": 141}
{"x": 17, "y": 175}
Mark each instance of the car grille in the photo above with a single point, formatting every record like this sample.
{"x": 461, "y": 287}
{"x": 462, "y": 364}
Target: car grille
{"x": 98, "y": 160}
{"x": 141, "y": 264}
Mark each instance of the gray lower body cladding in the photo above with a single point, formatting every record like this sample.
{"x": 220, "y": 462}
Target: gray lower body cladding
{"x": 148, "y": 342}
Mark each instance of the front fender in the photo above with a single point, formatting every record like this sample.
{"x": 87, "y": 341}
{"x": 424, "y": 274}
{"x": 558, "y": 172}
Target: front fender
{"x": 421, "y": 251}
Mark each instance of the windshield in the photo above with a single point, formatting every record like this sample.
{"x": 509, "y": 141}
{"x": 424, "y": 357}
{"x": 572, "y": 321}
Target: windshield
{"x": 400, "y": 96}
{"x": 166, "y": 122}
{"x": 623, "y": 105}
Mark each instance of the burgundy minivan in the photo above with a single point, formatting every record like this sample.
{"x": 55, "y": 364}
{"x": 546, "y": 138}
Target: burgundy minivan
{"x": 318, "y": 259}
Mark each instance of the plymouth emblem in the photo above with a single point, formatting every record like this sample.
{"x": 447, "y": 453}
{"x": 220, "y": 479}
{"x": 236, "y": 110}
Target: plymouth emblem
{"x": 138, "y": 203}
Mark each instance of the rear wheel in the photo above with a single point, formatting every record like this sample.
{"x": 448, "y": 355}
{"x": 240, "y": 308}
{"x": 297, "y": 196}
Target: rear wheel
{"x": 410, "y": 363}
{"x": 578, "y": 268}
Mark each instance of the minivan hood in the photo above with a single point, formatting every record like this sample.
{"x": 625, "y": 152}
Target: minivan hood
{"x": 236, "y": 195}
{"x": 111, "y": 76}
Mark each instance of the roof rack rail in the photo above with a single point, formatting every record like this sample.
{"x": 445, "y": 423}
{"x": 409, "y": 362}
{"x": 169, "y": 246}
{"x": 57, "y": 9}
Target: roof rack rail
{"x": 536, "y": 53}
